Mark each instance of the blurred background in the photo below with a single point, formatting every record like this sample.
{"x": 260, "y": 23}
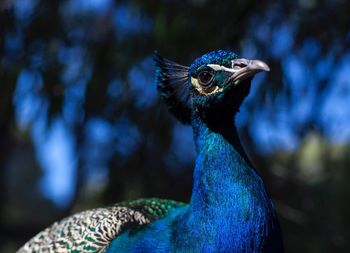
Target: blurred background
{"x": 81, "y": 124}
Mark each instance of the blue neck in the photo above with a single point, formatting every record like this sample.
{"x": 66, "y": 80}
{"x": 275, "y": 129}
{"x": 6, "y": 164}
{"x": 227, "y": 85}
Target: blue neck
{"x": 229, "y": 207}
{"x": 221, "y": 162}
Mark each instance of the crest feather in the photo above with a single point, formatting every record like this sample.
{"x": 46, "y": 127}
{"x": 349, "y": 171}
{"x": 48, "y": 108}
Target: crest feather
{"x": 173, "y": 85}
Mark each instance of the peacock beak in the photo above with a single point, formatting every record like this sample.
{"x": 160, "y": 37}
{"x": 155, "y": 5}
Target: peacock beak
{"x": 242, "y": 69}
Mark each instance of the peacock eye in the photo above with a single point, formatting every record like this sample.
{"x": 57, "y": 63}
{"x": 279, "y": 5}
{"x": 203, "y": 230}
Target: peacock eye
{"x": 205, "y": 78}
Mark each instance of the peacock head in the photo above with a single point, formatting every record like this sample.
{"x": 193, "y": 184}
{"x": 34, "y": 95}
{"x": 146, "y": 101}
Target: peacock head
{"x": 213, "y": 87}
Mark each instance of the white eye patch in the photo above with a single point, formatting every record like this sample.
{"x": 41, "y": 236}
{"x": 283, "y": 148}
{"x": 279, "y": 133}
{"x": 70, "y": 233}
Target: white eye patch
{"x": 217, "y": 67}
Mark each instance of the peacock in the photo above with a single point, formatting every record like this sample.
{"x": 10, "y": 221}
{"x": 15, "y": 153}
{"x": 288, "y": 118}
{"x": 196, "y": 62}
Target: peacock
{"x": 229, "y": 209}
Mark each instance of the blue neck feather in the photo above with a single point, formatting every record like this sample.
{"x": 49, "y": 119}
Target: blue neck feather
{"x": 216, "y": 169}
{"x": 229, "y": 210}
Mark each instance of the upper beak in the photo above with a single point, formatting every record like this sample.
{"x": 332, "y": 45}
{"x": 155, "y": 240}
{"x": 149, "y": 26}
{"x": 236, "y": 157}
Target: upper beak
{"x": 242, "y": 69}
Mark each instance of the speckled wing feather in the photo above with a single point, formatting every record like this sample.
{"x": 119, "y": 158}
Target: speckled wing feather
{"x": 91, "y": 231}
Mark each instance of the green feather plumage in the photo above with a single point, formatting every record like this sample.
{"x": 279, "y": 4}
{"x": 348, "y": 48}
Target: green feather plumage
{"x": 92, "y": 231}
{"x": 153, "y": 207}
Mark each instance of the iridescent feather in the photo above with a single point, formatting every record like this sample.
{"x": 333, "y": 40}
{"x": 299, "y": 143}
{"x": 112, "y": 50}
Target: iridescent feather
{"x": 92, "y": 231}
{"x": 173, "y": 85}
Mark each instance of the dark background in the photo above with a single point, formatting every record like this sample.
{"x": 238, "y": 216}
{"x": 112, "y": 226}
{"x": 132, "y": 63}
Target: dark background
{"x": 81, "y": 124}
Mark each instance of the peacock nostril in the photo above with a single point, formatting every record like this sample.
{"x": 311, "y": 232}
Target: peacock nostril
{"x": 239, "y": 63}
